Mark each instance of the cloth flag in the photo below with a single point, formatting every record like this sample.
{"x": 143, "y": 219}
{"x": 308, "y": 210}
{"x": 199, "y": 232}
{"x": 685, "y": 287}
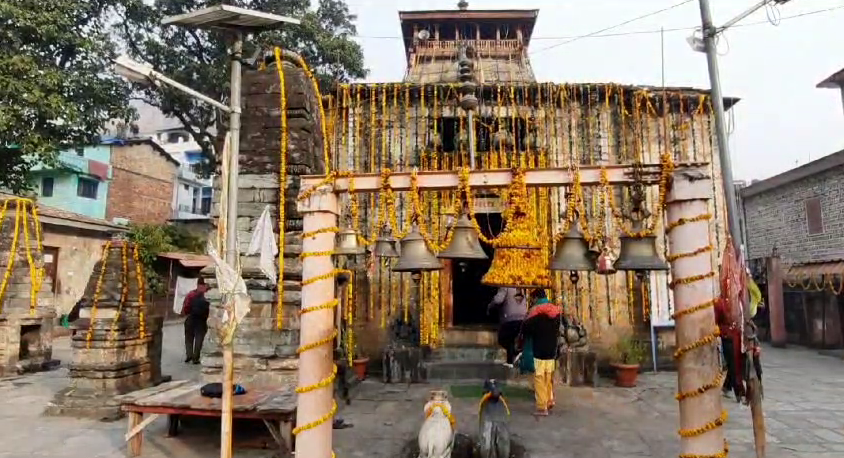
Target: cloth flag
{"x": 264, "y": 243}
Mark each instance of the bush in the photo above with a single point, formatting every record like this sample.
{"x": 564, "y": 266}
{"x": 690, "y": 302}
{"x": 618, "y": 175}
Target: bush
{"x": 154, "y": 239}
{"x": 628, "y": 350}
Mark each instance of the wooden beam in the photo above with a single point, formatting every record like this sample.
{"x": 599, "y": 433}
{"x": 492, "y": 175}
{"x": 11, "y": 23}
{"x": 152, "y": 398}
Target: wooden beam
{"x": 136, "y": 429}
{"x": 498, "y": 178}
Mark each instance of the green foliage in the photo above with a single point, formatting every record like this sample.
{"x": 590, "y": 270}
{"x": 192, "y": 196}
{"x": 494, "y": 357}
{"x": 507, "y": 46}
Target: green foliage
{"x": 628, "y": 350}
{"x": 200, "y": 59}
{"x": 56, "y": 86}
{"x": 154, "y": 239}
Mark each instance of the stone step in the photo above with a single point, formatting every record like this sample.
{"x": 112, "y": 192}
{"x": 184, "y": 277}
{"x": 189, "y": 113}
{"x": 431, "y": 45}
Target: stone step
{"x": 467, "y": 370}
{"x": 469, "y": 353}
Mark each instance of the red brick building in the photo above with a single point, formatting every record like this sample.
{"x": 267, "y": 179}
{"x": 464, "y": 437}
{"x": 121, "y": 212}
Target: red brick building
{"x": 143, "y": 183}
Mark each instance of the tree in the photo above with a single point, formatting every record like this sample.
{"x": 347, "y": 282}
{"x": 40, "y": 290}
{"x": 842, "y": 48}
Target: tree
{"x": 154, "y": 239}
{"x": 200, "y": 58}
{"x": 56, "y": 86}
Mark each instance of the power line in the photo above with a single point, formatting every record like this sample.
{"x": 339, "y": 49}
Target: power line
{"x": 606, "y": 29}
{"x": 572, "y": 38}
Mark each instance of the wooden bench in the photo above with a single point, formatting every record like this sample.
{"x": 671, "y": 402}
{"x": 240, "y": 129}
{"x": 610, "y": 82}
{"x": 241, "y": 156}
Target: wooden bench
{"x": 275, "y": 407}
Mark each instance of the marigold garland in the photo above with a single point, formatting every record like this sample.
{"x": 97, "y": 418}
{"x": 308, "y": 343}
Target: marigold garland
{"x": 712, "y": 425}
{"x": 12, "y": 253}
{"x": 139, "y": 277}
{"x": 282, "y": 182}
{"x": 445, "y": 410}
{"x": 97, "y": 290}
{"x": 34, "y": 271}
{"x": 124, "y": 291}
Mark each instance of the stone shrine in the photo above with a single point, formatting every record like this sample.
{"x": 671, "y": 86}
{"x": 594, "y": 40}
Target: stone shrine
{"x": 27, "y": 312}
{"x": 116, "y": 342}
{"x": 265, "y": 355}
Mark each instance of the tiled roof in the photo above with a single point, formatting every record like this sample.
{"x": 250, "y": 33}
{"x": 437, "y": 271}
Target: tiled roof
{"x": 57, "y": 216}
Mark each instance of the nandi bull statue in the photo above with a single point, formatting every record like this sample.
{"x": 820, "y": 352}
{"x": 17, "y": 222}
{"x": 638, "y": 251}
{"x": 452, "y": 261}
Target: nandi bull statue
{"x": 436, "y": 436}
{"x": 494, "y": 428}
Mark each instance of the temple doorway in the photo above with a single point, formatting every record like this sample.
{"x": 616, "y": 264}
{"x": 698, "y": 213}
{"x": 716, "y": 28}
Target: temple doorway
{"x": 470, "y": 296}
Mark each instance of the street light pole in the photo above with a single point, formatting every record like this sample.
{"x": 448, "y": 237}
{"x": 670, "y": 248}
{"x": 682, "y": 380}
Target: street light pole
{"x": 232, "y": 248}
{"x": 710, "y": 32}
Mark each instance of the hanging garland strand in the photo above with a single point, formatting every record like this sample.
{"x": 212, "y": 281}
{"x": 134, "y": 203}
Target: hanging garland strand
{"x": 282, "y": 185}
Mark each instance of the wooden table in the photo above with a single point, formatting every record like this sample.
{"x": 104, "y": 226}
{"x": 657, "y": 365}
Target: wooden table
{"x": 275, "y": 407}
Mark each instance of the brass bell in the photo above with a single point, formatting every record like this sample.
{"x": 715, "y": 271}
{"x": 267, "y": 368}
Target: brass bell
{"x": 385, "y": 244}
{"x": 415, "y": 255}
{"x": 347, "y": 243}
{"x": 639, "y": 254}
{"x": 464, "y": 243}
{"x": 572, "y": 252}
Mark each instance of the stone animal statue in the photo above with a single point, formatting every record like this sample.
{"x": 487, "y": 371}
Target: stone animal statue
{"x": 436, "y": 436}
{"x": 494, "y": 429}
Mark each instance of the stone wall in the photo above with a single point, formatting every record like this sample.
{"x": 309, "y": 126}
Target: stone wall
{"x": 263, "y": 353}
{"x": 142, "y": 187}
{"x": 777, "y": 218}
{"x": 26, "y": 333}
{"x": 79, "y": 251}
{"x": 114, "y": 351}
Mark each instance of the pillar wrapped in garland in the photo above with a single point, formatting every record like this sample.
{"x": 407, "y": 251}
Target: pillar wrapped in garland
{"x": 27, "y": 309}
{"x": 116, "y": 342}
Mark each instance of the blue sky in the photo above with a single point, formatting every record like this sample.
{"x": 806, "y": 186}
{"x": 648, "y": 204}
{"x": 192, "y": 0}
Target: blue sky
{"x": 782, "y": 120}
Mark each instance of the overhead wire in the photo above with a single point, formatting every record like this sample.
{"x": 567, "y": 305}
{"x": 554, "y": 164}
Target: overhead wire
{"x": 620, "y": 24}
{"x": 572, "y": 38}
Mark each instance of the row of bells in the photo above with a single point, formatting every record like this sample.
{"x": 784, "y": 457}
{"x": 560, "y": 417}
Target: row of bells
{"x": 571, "y": 253}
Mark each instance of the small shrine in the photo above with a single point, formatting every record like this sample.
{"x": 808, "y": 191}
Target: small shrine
{"x": 116, "y": 342}
{"x": 27, "y": 310}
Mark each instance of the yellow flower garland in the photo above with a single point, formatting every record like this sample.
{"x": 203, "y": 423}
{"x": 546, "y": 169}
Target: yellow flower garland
{"x": 97, "y": 290}
{"x": 282, "y": 181}
{"x": 139, "y": 277}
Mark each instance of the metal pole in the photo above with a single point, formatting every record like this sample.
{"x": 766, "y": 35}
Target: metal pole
{"x": 471, "y": 139}
{"x": 232, "y": 249}
{"x": 709, "y": 34}
{"x": 157, "y": 77}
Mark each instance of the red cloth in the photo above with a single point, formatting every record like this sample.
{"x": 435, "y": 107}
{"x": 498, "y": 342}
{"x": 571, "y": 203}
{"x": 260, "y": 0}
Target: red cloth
{"x": 98, "y": 169}
{"x": 186, "y": 303}
{"x": 548, "y": 309}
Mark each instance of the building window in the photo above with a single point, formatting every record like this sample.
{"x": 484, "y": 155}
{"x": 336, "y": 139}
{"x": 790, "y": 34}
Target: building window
{"x": 80, "y": 151}
{"x": 814, "y": 216}
{"x": 87, "y": 188}
{"x": 47, "y": 186}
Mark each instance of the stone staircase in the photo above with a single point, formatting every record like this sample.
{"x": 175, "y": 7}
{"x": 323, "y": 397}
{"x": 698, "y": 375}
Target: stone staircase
{"x": 468, "y": 354}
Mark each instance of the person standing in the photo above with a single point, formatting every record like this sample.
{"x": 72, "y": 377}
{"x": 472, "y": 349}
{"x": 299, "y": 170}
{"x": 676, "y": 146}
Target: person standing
{"x": 541, "y": 328}
{"x": 196, "y": 309}
{"x": 512, "y": 308}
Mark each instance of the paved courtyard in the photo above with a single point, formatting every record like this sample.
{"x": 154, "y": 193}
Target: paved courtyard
{"x": 804, "y": 407}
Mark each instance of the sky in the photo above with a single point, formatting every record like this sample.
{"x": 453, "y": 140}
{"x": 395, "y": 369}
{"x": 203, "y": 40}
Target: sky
{"x": 782, "y": 120}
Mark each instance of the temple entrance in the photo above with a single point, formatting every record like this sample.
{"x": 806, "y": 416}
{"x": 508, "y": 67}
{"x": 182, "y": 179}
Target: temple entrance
{"x": 471, "y": 297}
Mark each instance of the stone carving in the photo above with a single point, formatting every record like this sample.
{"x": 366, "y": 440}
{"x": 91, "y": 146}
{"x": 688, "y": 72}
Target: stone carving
{"x": 265, "y": 354}
{"x": 117, "y": 358}
{"x": 26, "y": 339}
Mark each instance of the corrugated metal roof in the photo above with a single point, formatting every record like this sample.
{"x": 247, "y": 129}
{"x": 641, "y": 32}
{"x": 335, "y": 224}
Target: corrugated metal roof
{"x": 816, "y": 269}
{"x": 189, "y": 260}
{"x": 229, "y": 17}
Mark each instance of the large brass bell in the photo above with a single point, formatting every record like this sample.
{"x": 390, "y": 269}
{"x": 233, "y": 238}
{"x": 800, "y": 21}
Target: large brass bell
{"x": 347, "y": 243}
{"x": 572, "y": 252}
{"x": 464, "y": 243}
{"x": 385, "y": 244}
{"x": 415, "y": 255}
{"x": 639, "y": 253}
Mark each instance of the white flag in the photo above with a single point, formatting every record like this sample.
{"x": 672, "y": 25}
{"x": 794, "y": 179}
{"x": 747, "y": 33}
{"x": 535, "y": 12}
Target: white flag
{"x": 263, "y": 242}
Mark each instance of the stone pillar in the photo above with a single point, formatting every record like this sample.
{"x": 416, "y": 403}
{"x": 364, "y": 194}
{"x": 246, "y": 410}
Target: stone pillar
{"x": 693, "y": 276}
{"x": 26, "y": 326}
{"x": 265, "y": 355}
{"x": 776, "y": 303}
{"x": 116, "y": 342}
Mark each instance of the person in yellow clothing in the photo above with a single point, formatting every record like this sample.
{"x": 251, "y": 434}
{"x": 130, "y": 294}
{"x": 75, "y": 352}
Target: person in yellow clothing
{"x": 541, "y": 327}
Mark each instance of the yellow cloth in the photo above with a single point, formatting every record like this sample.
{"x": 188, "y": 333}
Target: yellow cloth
{"x": 543, "y": 382}
{"x": 755, "y": 295}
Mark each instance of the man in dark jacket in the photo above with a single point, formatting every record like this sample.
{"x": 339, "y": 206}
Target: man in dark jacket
{"x": 196, "y": 309}
{"x": 542, "y": 327}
